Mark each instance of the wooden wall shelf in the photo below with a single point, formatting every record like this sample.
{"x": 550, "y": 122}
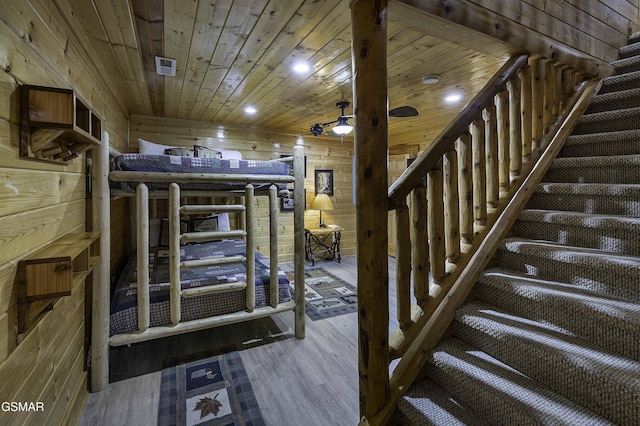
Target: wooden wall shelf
{"x": 52, "y": 272}
{"x": 56, "y": 126}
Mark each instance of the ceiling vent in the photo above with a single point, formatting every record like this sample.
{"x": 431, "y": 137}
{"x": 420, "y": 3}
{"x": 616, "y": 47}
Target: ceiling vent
{"x": 165, "y": 66}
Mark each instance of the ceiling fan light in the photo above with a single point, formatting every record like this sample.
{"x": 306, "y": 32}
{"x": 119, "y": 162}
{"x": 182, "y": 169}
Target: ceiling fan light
{"x": 343, "y": 127}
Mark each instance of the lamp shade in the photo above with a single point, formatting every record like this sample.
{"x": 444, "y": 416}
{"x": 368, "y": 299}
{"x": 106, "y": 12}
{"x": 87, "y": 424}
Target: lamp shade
{"x": 343, "y": 127}
{"x": 321, "y": 202}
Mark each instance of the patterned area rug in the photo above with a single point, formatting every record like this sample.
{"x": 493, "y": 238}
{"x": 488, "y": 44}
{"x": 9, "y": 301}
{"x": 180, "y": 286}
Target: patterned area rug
{"x": 213, "y": 391}
{"x": 327, "y": 295}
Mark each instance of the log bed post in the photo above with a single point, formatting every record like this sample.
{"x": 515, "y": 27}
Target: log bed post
{"x": 369, "y": 59}
{"x": 250, "y": 247}
{"x": 273, "y": 246}
{"x": 101, "y": 272}
{"x": 298, "y": 232}
{"x": 142, "y": 295}
{"x": 174, "y": 252}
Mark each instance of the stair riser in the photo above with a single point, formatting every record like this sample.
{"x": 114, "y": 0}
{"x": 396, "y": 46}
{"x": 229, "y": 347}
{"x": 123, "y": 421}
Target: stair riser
{"x": 581, "y": 275}
{"x": 606, "y": 174}
{"x": 601, "y": 149}
{"x": 605, "y": 395}
{"x": 620, "y": 241}
{"x": 568, "y": 313}
{"x": 627, "y": 120}
{"x": 586, "y": 204}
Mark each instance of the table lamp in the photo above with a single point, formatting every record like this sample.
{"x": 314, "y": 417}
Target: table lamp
{"x": 322, "y": 202}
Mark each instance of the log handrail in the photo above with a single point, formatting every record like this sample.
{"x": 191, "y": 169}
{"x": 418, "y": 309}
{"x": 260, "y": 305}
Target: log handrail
{"x": 428, "y": 159}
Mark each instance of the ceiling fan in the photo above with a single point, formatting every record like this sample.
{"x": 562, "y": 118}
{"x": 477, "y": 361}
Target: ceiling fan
{"x": 343, "y": 127}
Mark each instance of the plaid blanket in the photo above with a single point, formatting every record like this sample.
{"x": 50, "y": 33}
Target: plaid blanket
{"x": 178, "y": 164}
{"x": 124, "y": 303}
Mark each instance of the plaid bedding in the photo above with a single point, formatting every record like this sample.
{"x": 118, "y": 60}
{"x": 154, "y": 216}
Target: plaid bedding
{"x": 177, "y": 164}
{"x": 124, "y": 305}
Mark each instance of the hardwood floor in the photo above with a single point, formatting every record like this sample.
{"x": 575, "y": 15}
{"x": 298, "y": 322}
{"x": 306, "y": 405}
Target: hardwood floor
{"x": 308, "y": 382}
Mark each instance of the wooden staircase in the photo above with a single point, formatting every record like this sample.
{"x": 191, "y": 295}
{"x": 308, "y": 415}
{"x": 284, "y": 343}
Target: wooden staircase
{"x": 550, "y": 333}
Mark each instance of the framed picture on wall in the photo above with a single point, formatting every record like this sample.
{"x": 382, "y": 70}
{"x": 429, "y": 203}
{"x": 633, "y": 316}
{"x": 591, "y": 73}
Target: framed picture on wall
{"x": 324, "y": 182}
{"x": 286, "y": 204}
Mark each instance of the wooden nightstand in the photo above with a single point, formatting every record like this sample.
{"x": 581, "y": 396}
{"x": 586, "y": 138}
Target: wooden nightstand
{"x": 322, "y": 243}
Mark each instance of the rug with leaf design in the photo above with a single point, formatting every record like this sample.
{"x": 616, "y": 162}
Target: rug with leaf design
{"x": 213, "y": 391}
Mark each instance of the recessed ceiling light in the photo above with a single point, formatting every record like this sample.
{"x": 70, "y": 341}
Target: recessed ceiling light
{"x": 301, "y": 67}
{"x": 250, "y": 110}
{"x": 453, "y": 98}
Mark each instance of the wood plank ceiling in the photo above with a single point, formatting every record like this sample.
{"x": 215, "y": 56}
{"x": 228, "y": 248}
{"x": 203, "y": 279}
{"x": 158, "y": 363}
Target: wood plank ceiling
{"x": 237, "y": 53}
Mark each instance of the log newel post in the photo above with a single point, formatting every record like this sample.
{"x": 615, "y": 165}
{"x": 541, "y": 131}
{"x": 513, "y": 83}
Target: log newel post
{"x": 369, "y": 59}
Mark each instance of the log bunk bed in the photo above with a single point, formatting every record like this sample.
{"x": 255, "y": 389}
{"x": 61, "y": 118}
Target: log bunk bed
{"x": 214, "y": 277}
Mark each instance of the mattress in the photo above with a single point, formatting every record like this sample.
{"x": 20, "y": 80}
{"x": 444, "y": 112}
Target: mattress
{"x": 179, "y": 164}
{"x": 123, "y": 317}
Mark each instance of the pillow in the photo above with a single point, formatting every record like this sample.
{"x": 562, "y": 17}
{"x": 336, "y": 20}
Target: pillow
{"x": 230, "y": 154}
{"x": 179, "y": 151}
{"x": 204, "y": 152}
{"x": 223, "y": 222}
{"x": 146, "y": 147}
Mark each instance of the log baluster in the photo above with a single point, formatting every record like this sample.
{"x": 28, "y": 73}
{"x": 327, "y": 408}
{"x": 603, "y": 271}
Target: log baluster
{"x": 465, "y": 187}
{"x": 515, "y": 133}
{"x": 549, "y": 79}
{"x": 491, "y": 154}
{"x": 435, "y": 224}
{"x": 419, "y": 245}
{"x": 451, "y": 206}
{"x": 525, "y": 111}
{"x": 403, "y": 267}
{"x": 479, "y": 172}
{"x": 557, "y": 89}
{"x": 502, "y": 118}
{"x": 537, "y": 102}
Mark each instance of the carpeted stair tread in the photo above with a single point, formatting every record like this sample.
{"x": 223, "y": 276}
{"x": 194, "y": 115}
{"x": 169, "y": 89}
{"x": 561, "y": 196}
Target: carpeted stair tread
{"x": 631, "y": 49}
{"x": 559, "y": 361}
{"x": 425, "y": 403}
{"x": 612, "y": 101}
{"x": 612, "y": 323}
{"x": 626, "y": 65}
{"x": 496, "y": 392}
{"x": 620, "y": 82}
{"x": 608, "y": 121}
{"x": 617, "y": 169}
{"x": 596, "y": 198}
{"x": 608, "y": 233}
{"x": 612, "y": 274}
{"x": 624, "y": 142}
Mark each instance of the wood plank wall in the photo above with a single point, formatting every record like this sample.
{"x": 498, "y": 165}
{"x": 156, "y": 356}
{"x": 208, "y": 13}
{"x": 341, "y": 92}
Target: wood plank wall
{"x": 328, "y": 153}
{"x": 40, "y": 202}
